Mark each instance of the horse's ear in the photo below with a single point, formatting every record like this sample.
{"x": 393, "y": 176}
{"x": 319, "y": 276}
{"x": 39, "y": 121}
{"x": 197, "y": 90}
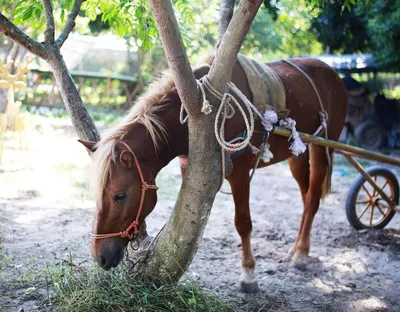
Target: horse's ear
{"x": 201, "y": 71}
{"x": 90, "y": 145}
{"x": 126, "y": 159}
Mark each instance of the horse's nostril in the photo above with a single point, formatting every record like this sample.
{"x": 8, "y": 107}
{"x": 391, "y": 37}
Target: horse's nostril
{"x": 102, "y": 261}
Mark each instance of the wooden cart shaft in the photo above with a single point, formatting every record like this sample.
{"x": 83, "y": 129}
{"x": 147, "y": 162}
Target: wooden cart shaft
{"x": 359, "y": 152}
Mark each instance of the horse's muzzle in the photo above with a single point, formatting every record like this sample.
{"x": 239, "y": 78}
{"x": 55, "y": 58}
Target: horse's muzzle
{"x": 108, "y": 253}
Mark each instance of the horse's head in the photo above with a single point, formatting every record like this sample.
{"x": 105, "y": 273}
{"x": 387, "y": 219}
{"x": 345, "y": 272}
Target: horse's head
{"x": 126, "y": 162}
{"x": 126, "y": 194}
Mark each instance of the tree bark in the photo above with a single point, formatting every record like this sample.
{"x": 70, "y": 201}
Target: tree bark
{"x": 176, "y": 54}
{"x": 70, "y": 24}
{"x": 226, "y": 13}
{"x": 18, "y": 36}
{"x": 177, "y": 243}
{"x": 50, "y": 28}
{"x": 81, "y": 120}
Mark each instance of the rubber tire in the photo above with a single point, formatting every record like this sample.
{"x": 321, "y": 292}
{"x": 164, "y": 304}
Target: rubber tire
{"x": 369, "y": 125}
{"x": 355, "y": 188}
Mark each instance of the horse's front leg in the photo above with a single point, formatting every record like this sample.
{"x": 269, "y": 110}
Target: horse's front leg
{"x": 240, "y": 185}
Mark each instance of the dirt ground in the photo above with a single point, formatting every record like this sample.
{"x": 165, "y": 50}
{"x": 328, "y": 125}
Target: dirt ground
{"x": 46, "y": 212}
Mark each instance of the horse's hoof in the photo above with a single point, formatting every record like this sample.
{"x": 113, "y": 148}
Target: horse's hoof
{"x": 299, "y": 262}
{"x": 249, "y": 288}
{"x": 286, "y": 258}
{"x": 300, "y": 266}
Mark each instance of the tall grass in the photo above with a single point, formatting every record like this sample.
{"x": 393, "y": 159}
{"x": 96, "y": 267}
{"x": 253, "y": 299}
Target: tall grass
{"x": 72, "y": 288}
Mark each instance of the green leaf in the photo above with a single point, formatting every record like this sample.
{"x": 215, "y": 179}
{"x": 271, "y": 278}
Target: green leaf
{"x": 62, "y": 16}
{"x": 146, "y": 44}
{"x": 37, "y": 13}
{"x": 140, "y": 10}
{"x": 28, "y": 13}
{"x": 19, "y": 9}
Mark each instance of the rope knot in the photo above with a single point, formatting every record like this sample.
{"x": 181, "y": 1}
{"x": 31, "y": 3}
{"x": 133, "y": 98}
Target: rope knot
{"x": 266, "y": 155}
{"x": 323, "y": 115}
{"x": 126, "y": 234}
{"x": 254, "y": 149}
{"x": 297, "y": 147}
{"x": 207, "y": 107}
{"x": 270, "y": 118}
{"x": 324, "y": 119}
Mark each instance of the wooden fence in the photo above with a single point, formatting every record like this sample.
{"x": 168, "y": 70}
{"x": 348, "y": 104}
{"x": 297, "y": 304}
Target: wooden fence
{"x": 97, "y": 90}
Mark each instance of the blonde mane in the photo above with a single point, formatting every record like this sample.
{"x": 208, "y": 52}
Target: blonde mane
{"x": 143, "y": 112}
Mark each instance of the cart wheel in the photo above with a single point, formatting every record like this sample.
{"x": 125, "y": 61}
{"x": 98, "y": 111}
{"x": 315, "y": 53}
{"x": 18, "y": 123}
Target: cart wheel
{"x": 370, "y": 134}
{"x": 365, "y": 208}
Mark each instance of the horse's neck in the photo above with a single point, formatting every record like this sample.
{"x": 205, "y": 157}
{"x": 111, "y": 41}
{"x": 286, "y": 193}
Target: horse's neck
{"x": 175, "y": 145}
{"x": 178, "y": 137}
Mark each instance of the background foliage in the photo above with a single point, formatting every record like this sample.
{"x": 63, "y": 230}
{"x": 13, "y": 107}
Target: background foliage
{"x": 372, "y": 26}
{"x": 281, "y": 29}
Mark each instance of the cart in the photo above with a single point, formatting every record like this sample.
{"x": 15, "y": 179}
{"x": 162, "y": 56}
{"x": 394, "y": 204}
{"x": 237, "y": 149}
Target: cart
{"x": 373, "y": 197}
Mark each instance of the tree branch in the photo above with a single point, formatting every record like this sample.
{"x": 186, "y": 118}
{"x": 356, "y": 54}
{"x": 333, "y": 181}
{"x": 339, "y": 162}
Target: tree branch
{"x": 81, "y": 120}
{"x": 50, "y": 28}
{"x": 17, "y": 35}
{"x": 70, "y": 24}
{"x": 176, "y": 54}
{"x": 225, "y": 16}
{"x": 221, "y": 69}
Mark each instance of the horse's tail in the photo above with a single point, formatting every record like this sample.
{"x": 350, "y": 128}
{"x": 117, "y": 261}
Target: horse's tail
{"x": 326, "y": 185}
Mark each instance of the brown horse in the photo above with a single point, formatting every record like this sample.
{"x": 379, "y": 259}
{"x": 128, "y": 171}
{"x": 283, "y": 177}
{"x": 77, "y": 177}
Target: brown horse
{"x": 129, "y": 157}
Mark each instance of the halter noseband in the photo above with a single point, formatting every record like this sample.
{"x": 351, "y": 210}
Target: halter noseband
{"x": 135, "y": 223}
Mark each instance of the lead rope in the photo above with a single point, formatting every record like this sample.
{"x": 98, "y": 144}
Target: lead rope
{"x": 227, "y": 111}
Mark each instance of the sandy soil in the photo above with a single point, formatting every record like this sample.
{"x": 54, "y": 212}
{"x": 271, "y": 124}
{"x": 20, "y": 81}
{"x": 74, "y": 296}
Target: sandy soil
{"x": 46, "y": 213}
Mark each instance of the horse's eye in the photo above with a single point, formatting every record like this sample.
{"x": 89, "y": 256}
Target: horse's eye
{"x": 119, "y": 197}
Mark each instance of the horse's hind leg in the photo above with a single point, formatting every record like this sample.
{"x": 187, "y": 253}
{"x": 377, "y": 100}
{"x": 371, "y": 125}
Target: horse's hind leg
{"x": 240, "y": 185}
{"x": 311, "y": 198}
{"x": 300, "y": 168}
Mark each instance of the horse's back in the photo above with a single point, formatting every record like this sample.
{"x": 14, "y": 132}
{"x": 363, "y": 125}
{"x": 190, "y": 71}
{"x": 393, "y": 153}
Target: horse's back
{"x": 302, "y": 98}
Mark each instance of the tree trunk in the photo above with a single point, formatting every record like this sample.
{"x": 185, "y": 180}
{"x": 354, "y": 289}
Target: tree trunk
{"x": 177, "y": 243}
{"x": 226, "y": 13}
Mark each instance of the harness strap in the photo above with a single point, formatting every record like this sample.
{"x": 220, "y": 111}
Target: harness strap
{"x": 322, "y": 113}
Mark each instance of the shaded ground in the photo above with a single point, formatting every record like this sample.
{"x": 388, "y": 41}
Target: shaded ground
{"x": 46, "y": 213}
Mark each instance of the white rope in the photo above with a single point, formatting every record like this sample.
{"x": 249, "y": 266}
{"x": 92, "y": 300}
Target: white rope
{"x": 226, "y": 110}
{"x": 297, "y": 147}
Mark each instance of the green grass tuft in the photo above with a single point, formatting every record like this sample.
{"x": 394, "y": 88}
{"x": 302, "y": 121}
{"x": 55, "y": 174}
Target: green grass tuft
{"x": 71, "y": 288}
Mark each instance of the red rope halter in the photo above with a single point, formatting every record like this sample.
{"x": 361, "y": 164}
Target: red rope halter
{"x": 135, "y": 223}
